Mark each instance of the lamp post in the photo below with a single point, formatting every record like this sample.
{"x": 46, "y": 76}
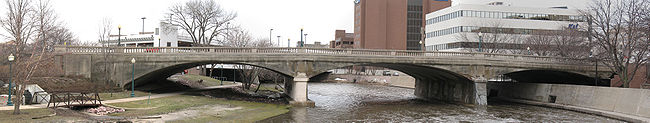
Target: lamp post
{"x": 303, "y": 43}
{"x": 11, "y": 59}
{"x": 133, "y": 78}
{"x": 271, "y": 36}
{"x": 528, "y": 48}
{"x": 158, "y": 41}
{"x": 119, "y": 34}
{"x": 278, "y": 41}
{"x": 591, "y": 56}
{"x": 221, "y": 72}
{"x": 301, "y": 39}
{"x": 480, "y": 40}
{"x": 143, "y": 24}
{"x": 288, "y": 42}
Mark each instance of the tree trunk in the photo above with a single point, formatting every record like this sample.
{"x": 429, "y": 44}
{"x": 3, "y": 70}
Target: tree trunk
{"x": 211, "y": 70}
{"x": 19, "y": 98}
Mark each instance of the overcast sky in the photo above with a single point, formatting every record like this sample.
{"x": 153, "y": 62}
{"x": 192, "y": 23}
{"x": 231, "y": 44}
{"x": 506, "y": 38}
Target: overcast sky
{"x": 318, "y": 17}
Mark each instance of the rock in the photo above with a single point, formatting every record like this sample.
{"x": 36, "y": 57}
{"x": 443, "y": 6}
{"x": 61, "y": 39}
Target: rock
{"x": 101, "y": 110}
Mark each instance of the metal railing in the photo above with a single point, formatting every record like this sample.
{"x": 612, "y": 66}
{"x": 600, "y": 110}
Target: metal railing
{"x": 315, "y": 51}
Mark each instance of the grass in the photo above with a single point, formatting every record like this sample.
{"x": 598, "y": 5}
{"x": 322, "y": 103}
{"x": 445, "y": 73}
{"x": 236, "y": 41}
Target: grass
{"x": 254, "y": 111}
{"x": 27, "y": 115}
{"x": 269, "y": 88}
{"x": 121, "y": 95}
{"x": 249, "y": 113}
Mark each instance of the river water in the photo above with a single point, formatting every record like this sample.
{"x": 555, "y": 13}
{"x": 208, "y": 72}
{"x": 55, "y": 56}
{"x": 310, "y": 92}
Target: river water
{"x": 343, "y": 102}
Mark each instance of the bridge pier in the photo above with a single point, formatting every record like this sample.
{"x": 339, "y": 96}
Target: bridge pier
{"x": 480, "y": 93}
{"x": 298, "y": 91}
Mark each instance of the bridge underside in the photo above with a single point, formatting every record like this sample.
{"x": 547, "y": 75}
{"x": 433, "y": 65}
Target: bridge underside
{"x": 555, "y": 77}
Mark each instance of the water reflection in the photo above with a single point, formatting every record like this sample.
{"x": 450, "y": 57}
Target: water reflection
{"x": 340, "y": 102}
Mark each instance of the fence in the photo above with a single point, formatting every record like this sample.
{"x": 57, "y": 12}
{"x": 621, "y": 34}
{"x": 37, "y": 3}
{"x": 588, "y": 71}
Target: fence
{"x": 316, "y": 51}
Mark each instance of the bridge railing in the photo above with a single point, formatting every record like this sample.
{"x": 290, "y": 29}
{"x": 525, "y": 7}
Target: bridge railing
{"x": 324, "y": 51}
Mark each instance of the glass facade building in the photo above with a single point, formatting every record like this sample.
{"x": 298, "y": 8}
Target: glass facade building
{"x": 456, "y": 28}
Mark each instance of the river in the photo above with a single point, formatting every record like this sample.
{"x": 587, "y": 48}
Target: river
{"x": 344, "y": 102}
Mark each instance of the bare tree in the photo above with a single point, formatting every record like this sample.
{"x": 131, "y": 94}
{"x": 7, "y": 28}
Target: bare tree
{"x": 104, "y": 32}
{"x": 34, "y": 29}
{"x": 494, "y": 39}
{"x": 561, "y": 43}
{"x": 620, "y": 35}
{"x": 203, "y": 20}
{"x": 238, "y": 37}
{"x": 18, "y": 22}
{"x": 103, "y": 35}
{"x": 49, "y": 31}
{"x": 541, "y": 43}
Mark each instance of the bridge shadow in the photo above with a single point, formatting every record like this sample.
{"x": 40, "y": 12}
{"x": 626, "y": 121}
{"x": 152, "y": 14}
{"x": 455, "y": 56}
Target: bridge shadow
{"x": 556, "y": 77}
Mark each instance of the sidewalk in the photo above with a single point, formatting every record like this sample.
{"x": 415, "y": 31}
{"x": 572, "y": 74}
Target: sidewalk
{"x": 154, "y": 96}
{"x": 615, "y": 115}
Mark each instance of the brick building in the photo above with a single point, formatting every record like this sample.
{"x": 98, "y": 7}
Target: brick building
{"x": 641, "y": 78}
{"x": 342, "y": 40}
{"x": 392, "y": 24}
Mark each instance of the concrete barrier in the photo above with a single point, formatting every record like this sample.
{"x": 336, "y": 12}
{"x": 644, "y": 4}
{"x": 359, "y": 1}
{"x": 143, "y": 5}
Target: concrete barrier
{"x": 628, "y": 101}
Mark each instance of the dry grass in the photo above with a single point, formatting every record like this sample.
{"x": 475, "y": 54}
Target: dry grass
{"x": 254, "y": 111}
{"x": 27, "y": 115}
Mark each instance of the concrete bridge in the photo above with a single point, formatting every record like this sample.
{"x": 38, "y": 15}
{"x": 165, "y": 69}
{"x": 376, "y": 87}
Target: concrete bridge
{"x": 448, "y": 76}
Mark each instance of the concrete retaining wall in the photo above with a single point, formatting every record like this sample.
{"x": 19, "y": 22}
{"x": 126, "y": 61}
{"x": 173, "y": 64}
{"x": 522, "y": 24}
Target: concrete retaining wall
{"x": 622, "y": 100}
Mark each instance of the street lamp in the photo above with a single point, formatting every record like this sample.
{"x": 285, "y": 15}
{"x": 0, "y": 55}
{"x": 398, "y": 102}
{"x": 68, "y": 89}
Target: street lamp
{"x": 288, "y": 42}
{"x": 528, "y": 48}
{"x": 305, "y": 39}
{"x": 143, "y": 24}
{"x": 480, "y": 40}
{"x": 591, "y": 56}
{"x": 278, "y": 41}
{"x": 11, "y": 75}
{"x": 301, "y": 33}
{"x": 221, "y": 72}
{"x": 133, "y": 78}
{"x": 119, "y": 33}
{"x": 158, "y": 41}
{"x": 271, "y": 36}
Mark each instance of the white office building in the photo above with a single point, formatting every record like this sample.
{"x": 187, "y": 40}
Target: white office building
{"x": 162, "y": 36}
{"x": 457, "y": 28}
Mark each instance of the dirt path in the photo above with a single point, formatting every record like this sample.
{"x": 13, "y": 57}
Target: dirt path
{"x": 207, "y": 110}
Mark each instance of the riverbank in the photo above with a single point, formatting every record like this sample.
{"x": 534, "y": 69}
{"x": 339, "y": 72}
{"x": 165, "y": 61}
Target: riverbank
{"x": 198, "y": 108}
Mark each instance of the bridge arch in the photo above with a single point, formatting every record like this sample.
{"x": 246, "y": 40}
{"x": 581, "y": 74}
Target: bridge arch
{"x": 147, "y": 73}
{"x": 431, "y": 82}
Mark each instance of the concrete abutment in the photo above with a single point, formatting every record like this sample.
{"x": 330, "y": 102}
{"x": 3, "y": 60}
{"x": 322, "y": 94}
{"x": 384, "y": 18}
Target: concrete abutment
{"x": 463, "y": 92}
{"x": 298, "y": 91}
